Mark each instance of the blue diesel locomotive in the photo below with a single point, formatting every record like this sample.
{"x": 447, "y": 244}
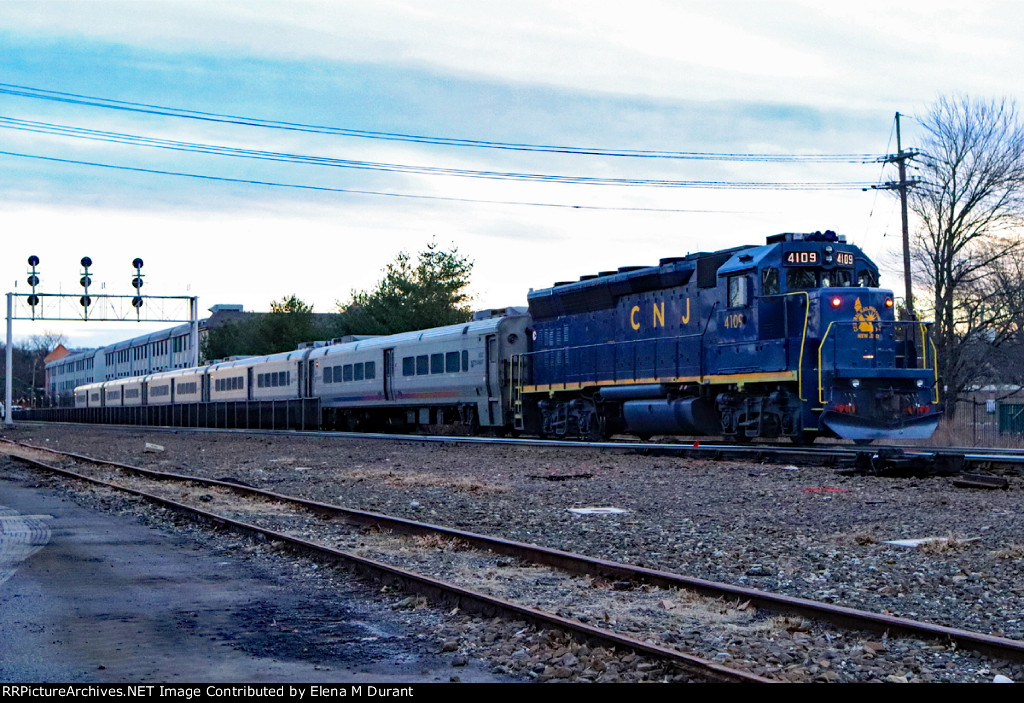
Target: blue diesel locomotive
{"x": 790, "y": 339}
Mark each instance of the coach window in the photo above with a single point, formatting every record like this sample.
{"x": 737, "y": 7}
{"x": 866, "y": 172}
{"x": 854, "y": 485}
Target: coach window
{"x": 451, "y": 362}
{"x": 328, "y": 374}
{"x": 737, "y": 291}
{"x": 357, "y": 372}
{"x": 422, "y": 365}
{"x": 465, "y": 361}
{"x": 437, "y": 363}
{"x": 769, "y": 281}
{"x": 370, "y": 369}
{"x": 409, "y": 366}
{"x": 348, "y": 372}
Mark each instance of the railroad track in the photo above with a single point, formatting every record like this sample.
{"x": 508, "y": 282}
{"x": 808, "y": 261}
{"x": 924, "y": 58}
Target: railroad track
{"x": 578, "y": 588}
{"x": 867, "y": 459}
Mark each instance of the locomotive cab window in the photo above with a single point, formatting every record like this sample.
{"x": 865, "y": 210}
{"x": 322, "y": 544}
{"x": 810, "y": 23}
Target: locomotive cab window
{"x": 801, "y": 278}
{"x": 738, "y": 291}
{"x": 840, "y": 278}
{"x": 769, "y": 281}
{"x": 866, "y": 280}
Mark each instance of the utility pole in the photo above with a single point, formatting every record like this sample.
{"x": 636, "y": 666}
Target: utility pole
{"x": 900, "y": 158}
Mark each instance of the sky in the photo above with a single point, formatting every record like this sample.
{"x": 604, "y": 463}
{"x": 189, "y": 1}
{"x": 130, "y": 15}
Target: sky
{"x": 336, "y": 82}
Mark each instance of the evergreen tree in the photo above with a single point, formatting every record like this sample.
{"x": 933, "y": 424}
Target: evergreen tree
{"x": 428, "y": 292}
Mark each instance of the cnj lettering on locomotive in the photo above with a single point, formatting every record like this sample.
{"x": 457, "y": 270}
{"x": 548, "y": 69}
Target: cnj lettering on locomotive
{"x": 657, "y": 315}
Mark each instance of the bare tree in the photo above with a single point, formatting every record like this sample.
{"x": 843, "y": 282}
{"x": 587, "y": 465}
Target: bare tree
{"x": 970, "y": 202}
{"x": 38, "y": 346}
{"x": 990, "y": 320}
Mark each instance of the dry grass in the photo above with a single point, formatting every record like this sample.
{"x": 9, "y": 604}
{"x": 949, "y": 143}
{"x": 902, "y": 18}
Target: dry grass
{"x": 1014, "y": 552}
{"x": 942, "y": 545}
{"x": 390, "y": 477}
{"x": 859, "y": 539}
{"x": 957, "y": 433}
{"x": 439, "y": 543}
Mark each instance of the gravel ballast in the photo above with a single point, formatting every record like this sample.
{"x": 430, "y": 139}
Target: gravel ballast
{"x": 803, "y": 531}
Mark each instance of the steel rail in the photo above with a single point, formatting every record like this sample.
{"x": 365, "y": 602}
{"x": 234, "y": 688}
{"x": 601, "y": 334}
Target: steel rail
{"x": 830, "y": 454}
{"x": 465, "y": 599}
{"x": 580, "y": 564}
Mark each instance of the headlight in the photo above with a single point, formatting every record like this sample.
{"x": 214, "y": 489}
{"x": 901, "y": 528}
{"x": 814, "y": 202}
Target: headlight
{"x": 920, "y": 383}
{"x": 855, "y": 383}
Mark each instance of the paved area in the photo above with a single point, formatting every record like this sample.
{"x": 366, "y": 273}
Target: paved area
{"x": 91, "y": 596}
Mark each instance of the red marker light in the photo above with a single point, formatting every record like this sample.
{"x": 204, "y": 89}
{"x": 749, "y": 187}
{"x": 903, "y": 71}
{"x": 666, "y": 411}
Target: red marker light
{"x": 888, "y": 302}
{"x": 836, "y": 302}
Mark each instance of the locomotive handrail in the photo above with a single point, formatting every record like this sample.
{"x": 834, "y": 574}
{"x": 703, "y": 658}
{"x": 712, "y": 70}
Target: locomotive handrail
{"x": 821, "y": 345}
{"x": 926, "y": 341}
{"x": 707, "y": 324}
{"x": 935, "y": 357}
{"x": 803, "y": 339}
{"x": 935, "y": 367}
{"x": 615, "y": 346}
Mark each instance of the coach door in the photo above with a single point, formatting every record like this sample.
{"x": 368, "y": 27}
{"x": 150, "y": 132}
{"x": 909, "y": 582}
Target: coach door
{"x": 389, "y": 374}
{"x": 493, "y": 386}
{"x": 306, "y": 379}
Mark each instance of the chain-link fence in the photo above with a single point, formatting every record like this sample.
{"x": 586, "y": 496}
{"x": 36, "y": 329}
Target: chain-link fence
{"x": 982, "y": 420}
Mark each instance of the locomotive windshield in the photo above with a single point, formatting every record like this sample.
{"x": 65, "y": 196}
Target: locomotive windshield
{"x": 811, "y": 278}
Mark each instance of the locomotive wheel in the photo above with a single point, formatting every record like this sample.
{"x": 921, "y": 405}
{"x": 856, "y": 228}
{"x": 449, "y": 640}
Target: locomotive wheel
{"x": 593, "y": 431}
{"x": 805, "y": 438}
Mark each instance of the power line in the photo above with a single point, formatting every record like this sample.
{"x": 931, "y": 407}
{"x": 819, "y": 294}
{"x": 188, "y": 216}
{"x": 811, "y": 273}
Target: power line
{"x": 174, "y": 145}
{"x": 354, "y": 191}
{"x": 111, "y": 104}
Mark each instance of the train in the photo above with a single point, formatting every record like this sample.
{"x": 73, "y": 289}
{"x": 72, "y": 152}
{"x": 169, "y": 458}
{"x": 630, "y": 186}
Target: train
{"x": 790, "y": 339}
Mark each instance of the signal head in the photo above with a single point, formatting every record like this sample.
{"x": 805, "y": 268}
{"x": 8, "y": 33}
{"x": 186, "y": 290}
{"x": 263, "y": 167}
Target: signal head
{"x": 33, "y": 260}
{"x": 137, "y": 263}
{"x": 86, "y": 262}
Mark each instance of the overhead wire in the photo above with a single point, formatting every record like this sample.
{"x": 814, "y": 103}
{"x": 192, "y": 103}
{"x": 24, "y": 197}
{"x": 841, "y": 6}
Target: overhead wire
{"x": 122, "y": 105}
{"x": 355, "y": 191}
{"x": 214, "y": 149}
